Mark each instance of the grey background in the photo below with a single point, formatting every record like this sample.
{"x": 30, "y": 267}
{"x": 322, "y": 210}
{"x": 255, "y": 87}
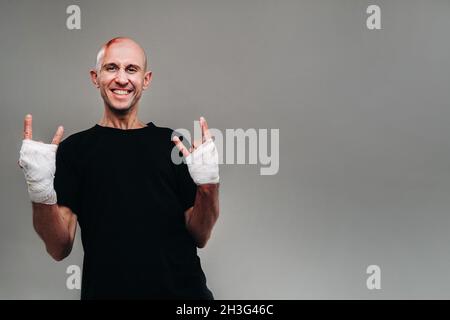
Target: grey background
{"x": 364, "y": 135}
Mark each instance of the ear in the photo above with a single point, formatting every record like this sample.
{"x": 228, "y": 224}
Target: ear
{"x": 147, "y": 79}
{"x": 94, "y": 78}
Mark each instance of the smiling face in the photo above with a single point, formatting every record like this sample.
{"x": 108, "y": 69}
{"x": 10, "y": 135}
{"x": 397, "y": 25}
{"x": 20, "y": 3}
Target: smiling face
{"x": 121, "y": 74}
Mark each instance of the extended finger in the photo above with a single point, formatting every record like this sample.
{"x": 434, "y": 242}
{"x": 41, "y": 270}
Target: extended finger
{"x": 58, "y": 135}
{"x": 180, "y": 146}
{"x": 205, "y": 131}
{"x": 27, "y": 127}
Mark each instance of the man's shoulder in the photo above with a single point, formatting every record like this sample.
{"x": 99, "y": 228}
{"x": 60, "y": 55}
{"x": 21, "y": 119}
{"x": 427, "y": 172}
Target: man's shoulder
{"x": 164, "y": 131}
{"x": 77, "y": 138}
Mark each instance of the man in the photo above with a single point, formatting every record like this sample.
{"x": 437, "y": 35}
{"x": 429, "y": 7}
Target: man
{"x": 142, "y": 216}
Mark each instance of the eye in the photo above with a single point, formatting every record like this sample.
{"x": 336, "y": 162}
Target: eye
{"x": 110, "y": 68}
{"x": 132, "y": 69}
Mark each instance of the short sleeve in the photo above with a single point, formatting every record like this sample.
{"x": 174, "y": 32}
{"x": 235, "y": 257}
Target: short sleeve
{"x": 66, "y": 182}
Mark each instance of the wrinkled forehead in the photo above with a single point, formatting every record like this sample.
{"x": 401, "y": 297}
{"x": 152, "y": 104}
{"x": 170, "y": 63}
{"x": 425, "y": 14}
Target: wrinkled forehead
{"x": 124, "y": 52}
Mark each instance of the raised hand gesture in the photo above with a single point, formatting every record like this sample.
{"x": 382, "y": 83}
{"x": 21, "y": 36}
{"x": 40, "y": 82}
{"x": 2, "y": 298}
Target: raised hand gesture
{"x": 37, "y": 161}
{"x": 202, "y": 157}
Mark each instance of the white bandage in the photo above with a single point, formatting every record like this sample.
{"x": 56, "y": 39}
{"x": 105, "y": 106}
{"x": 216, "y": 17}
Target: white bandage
{"x": 38, "y": 162}
{"x": 203, "y": 163}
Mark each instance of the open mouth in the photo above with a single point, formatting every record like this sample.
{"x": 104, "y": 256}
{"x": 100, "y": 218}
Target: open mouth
{"x": 122, "y": 92}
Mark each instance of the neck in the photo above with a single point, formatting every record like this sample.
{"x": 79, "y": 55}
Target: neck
{"x": 126, "y": 120}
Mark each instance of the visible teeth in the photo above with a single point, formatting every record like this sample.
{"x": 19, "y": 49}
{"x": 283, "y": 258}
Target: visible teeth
{"x": 120, "y": 91}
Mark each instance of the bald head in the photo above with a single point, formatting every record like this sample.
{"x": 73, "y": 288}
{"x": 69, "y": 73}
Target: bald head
{"x": 120, "y": 41}
{"x": 121, "y": 74}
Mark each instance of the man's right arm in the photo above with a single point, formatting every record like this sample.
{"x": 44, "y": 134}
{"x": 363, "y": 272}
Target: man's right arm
{"x": 56, "y": 225}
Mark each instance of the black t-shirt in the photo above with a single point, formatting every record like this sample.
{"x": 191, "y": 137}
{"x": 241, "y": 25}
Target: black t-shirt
{"x": 130, "y": 200}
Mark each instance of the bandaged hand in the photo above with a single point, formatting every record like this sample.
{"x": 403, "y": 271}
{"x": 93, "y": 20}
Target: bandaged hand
{"x": 202, "y": 160}
{"x": 38, "y": 163}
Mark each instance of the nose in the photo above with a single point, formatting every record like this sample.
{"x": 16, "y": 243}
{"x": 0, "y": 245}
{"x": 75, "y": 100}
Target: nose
{"x": 121, "y": 78}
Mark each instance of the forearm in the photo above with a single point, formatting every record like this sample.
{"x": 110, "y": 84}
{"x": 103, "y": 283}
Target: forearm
{"x": 205, "y": 213}
{"x": 53, "y": 228}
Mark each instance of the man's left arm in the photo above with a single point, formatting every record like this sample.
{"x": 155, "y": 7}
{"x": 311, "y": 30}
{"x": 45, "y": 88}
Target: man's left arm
{"x": 200, "y": 218}
{"x": 203, "y": 163}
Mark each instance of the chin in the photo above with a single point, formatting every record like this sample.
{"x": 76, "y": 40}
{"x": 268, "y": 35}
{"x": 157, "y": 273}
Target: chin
{"x": 118, "y": 108}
